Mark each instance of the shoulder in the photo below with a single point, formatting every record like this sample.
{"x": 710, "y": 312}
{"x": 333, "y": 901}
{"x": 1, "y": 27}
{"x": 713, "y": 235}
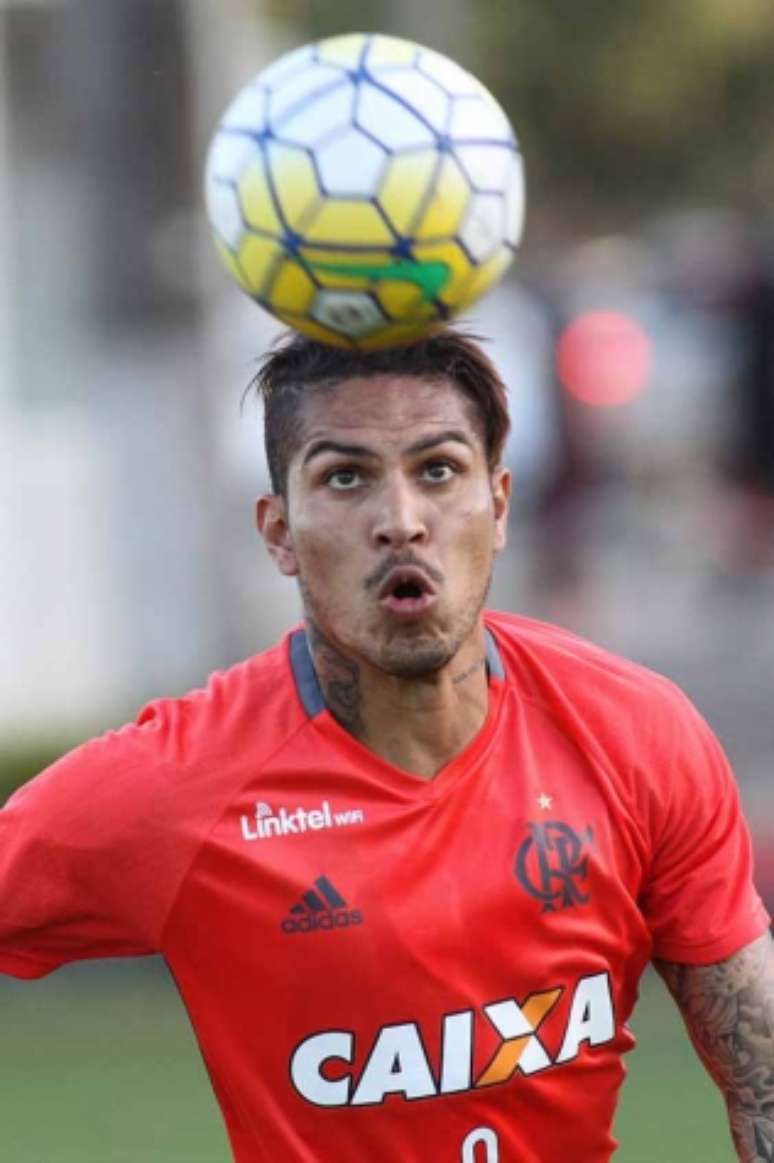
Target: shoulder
{"x": 178, "y": 752}
{"x": 640, "y": 724}
{"x": 252, "y": 705}
{"x": 542, "y": 658}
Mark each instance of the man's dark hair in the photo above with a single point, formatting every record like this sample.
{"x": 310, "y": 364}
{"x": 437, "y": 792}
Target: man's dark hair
{"x": 297, "y": 364}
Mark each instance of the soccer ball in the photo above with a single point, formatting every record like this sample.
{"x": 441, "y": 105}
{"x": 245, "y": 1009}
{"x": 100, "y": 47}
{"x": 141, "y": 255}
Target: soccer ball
{"x": 363, "y": 189}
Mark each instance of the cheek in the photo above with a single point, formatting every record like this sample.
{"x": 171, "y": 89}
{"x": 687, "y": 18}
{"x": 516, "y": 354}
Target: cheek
{"x": 314, "y": 548}
{"x": 477, "y": 522}
{"x": 474, "y": 548}
{"x": 324, "y": 563}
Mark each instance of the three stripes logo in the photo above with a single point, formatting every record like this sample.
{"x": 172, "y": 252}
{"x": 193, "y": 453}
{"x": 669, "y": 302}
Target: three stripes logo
{"x": 321, "y": 909}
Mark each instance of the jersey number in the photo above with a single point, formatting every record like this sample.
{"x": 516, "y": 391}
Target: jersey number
{"x": 480, "y": 1137}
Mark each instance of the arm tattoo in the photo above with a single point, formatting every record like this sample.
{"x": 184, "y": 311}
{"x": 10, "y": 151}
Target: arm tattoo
{"x": 729, "y": 1011}
{"x": 339, "y": 679}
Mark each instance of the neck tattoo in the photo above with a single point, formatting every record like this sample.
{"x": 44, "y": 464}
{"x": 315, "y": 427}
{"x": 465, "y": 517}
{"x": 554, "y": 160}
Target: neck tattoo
{"x": 470, "y": 670}
{"x": 339, "y": 679}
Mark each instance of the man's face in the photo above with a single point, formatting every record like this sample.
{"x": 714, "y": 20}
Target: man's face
{"x": 391, "y": 521}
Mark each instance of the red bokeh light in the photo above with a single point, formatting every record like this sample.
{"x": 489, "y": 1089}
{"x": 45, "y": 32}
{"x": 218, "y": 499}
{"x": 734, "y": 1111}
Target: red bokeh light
{"x": 603, "y": 358}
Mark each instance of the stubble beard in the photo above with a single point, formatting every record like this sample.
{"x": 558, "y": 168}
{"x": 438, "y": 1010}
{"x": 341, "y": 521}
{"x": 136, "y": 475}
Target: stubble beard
{"x": 408, "y": 654}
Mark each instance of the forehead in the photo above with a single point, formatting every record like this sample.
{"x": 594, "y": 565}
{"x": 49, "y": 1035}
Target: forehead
{"x": 388, "y": 409}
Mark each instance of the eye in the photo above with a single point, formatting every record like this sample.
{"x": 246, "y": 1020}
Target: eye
{"x": 342, "y": 479}
{"x": 439, "y": 471}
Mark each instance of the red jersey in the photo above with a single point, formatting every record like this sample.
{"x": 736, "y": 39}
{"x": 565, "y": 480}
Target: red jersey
{"x": 384, "y": 967}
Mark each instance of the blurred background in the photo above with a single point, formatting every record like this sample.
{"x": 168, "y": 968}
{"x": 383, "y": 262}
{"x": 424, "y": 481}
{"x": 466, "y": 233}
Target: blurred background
{"x": 636, "y": 332}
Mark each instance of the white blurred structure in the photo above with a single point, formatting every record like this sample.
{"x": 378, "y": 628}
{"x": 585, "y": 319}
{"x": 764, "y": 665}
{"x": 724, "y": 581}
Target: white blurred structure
{"x": 121, "y": 441}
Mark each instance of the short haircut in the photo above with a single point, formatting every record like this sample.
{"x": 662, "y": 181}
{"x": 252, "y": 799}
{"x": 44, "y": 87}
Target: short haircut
{"x": 297, "y": 364}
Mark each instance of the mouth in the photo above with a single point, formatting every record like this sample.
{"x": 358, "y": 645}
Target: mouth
{"x": 407, "y": 592}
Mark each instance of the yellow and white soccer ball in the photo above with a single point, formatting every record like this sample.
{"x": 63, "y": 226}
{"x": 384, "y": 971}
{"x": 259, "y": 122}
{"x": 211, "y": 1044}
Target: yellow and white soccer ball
{"x": 363, "y": 189}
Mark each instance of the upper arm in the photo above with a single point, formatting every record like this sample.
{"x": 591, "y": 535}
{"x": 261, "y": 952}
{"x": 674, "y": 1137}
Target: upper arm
{"x": 728, "y": 1008}
{"x": 698, "y": 897}
{"x": 84, "y": 867}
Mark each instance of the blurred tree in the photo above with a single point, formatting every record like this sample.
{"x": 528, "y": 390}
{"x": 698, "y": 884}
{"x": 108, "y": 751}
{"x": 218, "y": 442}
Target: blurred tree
{"x": 619, "y": 107}
{"x": 624, "y": 106}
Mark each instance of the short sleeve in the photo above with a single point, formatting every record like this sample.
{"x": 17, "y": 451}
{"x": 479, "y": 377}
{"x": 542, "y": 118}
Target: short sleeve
{"x": 86, "y": 865}
{"x": 699, "y": 899}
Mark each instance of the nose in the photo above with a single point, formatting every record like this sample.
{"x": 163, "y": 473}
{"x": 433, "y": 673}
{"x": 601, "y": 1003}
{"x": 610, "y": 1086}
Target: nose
{"x": 399, "y": 518}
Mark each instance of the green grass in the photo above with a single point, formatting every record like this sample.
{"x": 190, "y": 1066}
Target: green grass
{"x": 99, "y": 1063}
{"x": 670, "y": 1111}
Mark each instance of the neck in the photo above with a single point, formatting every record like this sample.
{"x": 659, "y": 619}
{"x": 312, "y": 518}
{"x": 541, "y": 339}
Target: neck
{"x": 418, "y": 724}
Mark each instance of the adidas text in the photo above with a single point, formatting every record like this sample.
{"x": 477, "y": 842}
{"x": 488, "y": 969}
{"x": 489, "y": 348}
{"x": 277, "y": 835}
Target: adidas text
{"x": 340, "y": 919}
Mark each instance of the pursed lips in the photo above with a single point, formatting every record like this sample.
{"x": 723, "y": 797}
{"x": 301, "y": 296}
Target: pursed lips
{"x": 394, "y": 571}
{"x": 407, "y": 577}
{"x": 405, "y": 591}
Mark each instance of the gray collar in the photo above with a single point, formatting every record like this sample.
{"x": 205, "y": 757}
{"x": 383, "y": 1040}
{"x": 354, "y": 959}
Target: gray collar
{"x": 308, "y": 687}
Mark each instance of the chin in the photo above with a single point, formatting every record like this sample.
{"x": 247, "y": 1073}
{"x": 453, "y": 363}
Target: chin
{"x": 414, "y": 658}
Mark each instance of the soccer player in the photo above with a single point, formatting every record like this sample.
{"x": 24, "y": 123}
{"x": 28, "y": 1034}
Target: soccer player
{"x": 408, "y": 866}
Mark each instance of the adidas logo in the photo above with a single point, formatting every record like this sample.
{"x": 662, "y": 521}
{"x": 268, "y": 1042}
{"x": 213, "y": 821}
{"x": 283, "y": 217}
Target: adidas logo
{"x": 323, "y": 909}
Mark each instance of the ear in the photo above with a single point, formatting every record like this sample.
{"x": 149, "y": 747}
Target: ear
{"x": 272, "y": 522}
{"x": 501, "y": 496}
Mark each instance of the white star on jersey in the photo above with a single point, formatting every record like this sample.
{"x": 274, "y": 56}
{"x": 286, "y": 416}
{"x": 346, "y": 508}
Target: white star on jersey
{"x": 544, "y": 801}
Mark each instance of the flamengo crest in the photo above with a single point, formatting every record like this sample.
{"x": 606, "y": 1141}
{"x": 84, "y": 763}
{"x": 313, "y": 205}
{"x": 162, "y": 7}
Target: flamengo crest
{"x": 552, "y": 864}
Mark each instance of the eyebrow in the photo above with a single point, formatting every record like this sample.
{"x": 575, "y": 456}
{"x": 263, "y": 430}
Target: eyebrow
{"x": 453, "y": 434}
{"x": 318, "y": 447}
